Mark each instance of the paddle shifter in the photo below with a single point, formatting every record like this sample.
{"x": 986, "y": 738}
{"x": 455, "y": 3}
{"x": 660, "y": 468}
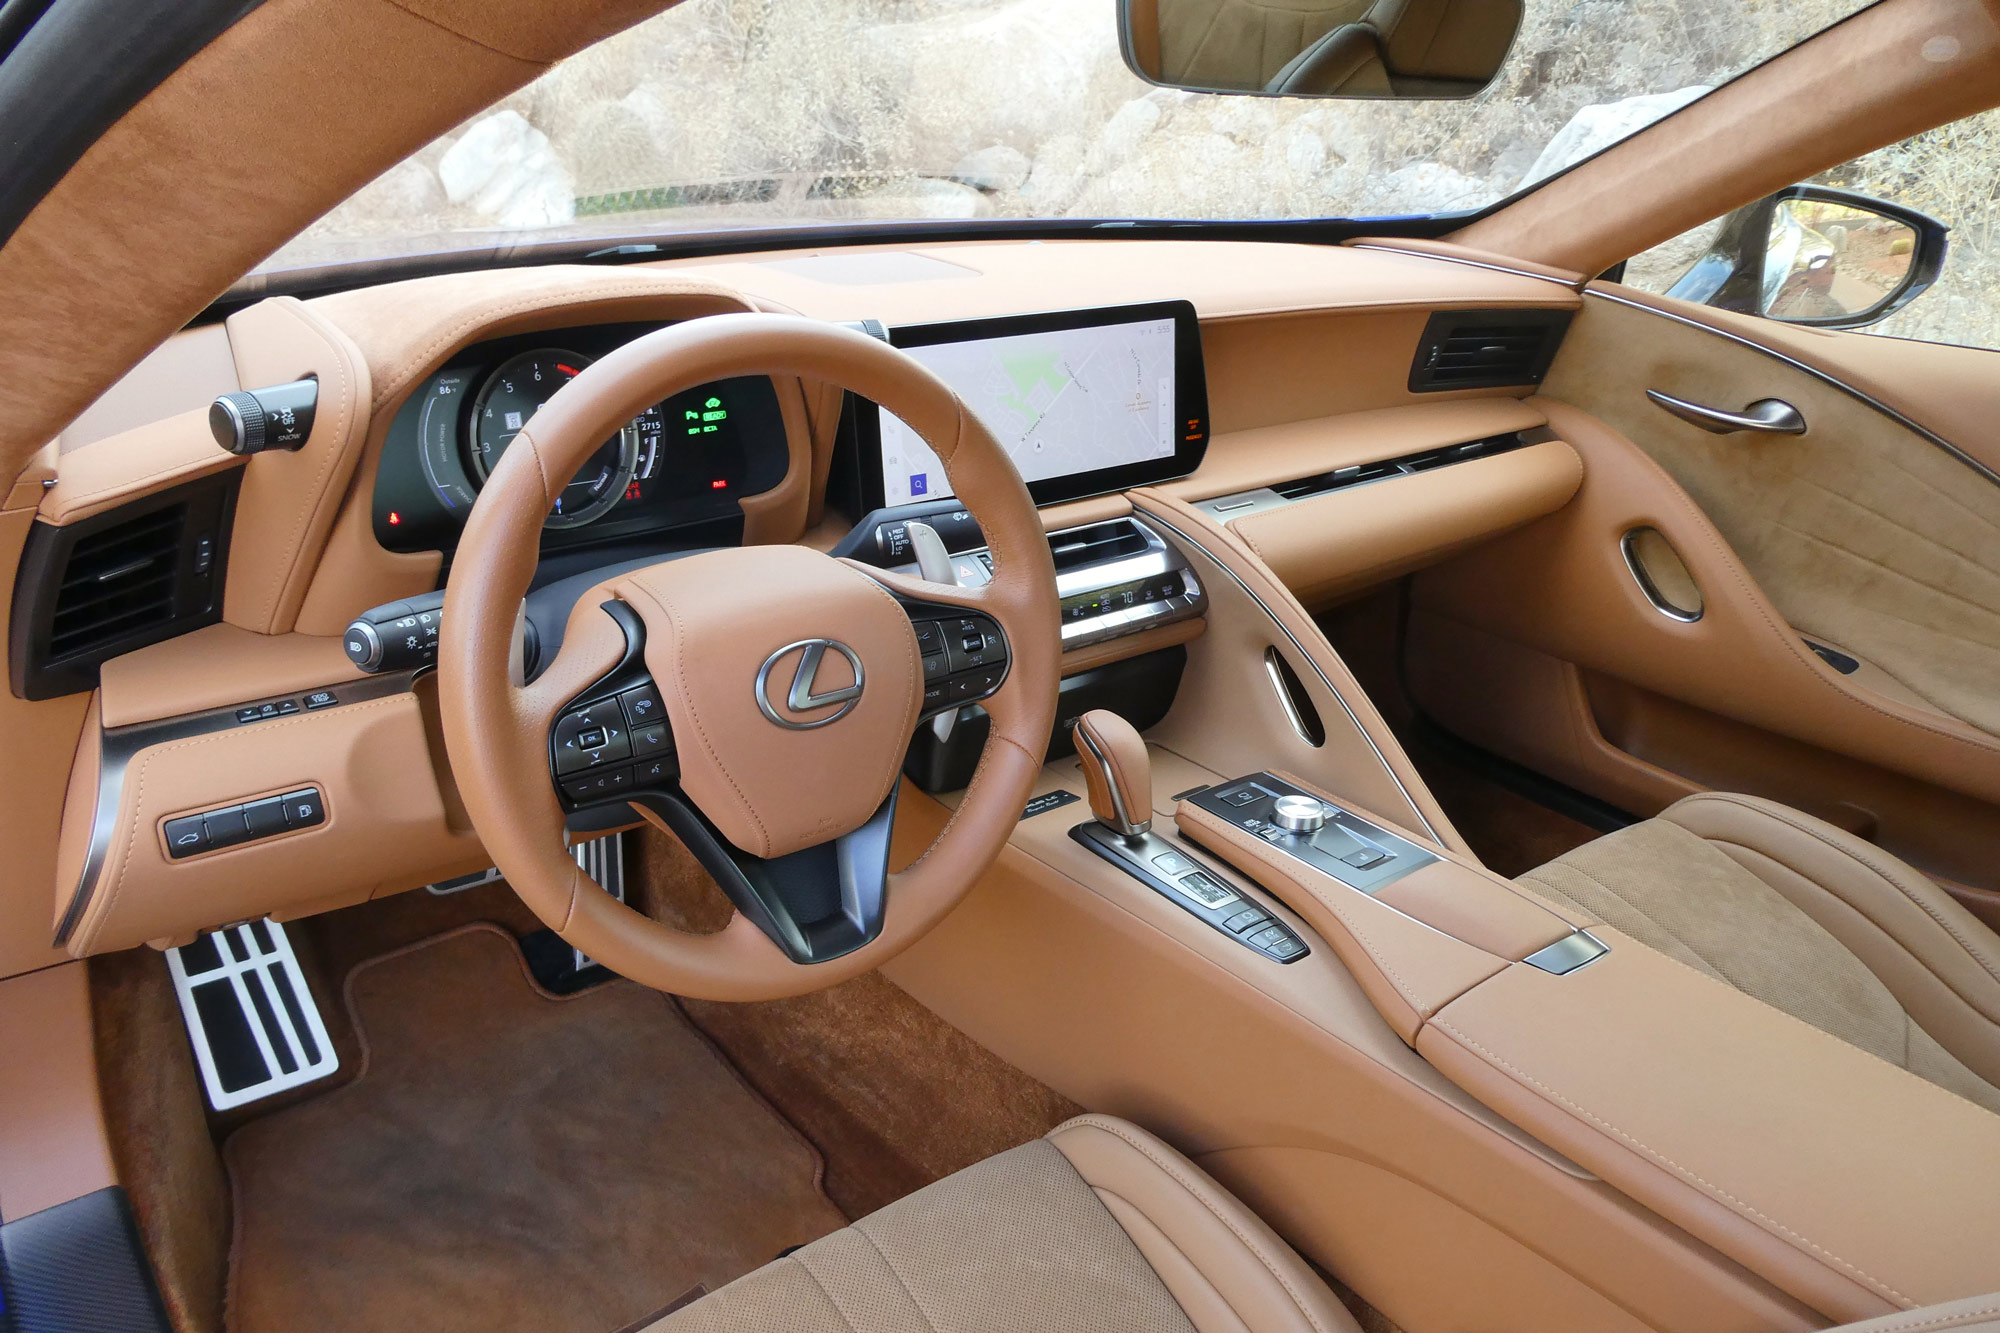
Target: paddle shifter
{"x": 1118, "y": 774}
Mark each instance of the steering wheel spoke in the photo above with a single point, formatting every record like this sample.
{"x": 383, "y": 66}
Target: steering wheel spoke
{"x": 613, "y": 740}
{"x": 816, "y": 903}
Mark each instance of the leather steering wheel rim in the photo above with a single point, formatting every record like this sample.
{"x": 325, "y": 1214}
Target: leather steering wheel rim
{"x": 496, "y": 731}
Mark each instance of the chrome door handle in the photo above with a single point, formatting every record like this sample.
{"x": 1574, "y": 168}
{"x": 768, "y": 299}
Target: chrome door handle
{"x": 1769, "y": 416}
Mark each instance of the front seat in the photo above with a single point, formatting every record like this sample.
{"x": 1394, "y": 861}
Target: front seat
{"x": 1809, "y": 919}
{"x": 1099, "y": 1226}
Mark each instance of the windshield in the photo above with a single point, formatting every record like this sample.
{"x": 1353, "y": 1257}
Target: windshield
{"x": 726, "y": 114}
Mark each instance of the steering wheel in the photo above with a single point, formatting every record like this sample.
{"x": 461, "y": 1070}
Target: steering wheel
{"x": 755, "y": 701}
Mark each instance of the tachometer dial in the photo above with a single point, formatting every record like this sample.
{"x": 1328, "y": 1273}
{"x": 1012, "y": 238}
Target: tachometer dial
{"x": 511, "y": 395}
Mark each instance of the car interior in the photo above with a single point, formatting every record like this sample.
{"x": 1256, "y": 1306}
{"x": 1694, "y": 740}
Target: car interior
{"x": 1265, "y": 774}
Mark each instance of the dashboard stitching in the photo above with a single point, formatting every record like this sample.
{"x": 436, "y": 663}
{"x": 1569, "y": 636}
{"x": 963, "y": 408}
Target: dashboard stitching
{"x": 449, "y": 340}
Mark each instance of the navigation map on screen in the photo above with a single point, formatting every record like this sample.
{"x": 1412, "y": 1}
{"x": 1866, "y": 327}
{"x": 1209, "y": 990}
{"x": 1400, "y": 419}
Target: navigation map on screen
{"x": 1060, "y": 403}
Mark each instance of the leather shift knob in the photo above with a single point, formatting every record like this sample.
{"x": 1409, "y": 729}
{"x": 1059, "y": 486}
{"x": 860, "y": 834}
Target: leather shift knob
{"x": 1117, "y": 772}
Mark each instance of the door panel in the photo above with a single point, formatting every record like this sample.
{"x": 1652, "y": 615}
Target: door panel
{"x": 1861, "y": 531}
{"x": 1544, "y": 647}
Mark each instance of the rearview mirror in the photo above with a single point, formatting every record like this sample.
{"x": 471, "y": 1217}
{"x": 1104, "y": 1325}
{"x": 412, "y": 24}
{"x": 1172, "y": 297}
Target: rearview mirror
{"x": 1319, "y": 48}
{"x": 1811, "y": 254}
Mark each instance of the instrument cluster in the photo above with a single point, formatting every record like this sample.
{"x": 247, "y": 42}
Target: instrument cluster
{"x": 684, "y": 462}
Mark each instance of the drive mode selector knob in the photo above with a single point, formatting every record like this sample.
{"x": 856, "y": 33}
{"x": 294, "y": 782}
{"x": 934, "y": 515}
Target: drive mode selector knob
{"x": 1299, "y": 814}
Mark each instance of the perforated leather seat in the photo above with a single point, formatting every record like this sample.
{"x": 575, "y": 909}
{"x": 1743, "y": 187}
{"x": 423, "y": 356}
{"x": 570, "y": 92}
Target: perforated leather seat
{"x": 1099, "y": 1226}
{"x": 1810, "y": 919}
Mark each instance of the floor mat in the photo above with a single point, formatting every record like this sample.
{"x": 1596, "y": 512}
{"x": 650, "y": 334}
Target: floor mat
{"x": 510, "y": 1160}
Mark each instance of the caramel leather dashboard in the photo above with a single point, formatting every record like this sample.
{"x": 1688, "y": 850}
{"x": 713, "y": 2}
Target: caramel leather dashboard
{"x": 303, "y": 558}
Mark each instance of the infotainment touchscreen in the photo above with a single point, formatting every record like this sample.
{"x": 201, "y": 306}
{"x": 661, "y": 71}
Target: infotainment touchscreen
{"x": 1083, "y": 401}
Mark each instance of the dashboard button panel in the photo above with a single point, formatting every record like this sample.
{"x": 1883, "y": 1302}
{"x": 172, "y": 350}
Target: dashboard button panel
{"x": 233, "y": 825}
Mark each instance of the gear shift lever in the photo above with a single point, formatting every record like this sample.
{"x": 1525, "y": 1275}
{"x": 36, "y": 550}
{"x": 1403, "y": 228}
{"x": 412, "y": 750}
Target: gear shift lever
{"x": 1117, "y": 772}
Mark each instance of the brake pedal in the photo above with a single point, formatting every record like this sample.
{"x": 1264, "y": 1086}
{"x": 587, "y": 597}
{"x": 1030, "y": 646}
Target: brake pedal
{"x": 255, "y": 1027}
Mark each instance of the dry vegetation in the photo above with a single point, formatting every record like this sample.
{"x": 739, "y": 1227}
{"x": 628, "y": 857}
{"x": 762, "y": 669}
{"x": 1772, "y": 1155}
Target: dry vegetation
{"x": 753, "y": 112}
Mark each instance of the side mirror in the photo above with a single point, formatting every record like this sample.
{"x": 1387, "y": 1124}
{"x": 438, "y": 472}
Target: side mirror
{"x": 1319, "y": 48}
{"x": 1810, "y": 254}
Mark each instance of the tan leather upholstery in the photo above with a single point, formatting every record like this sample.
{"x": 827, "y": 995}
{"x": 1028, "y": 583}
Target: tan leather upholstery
{"x": 1116, "y": 771}
{"x": 1809, "y": 919}
{"x": 1099, "y": 1226}
{"x": 1974, "y": 1314}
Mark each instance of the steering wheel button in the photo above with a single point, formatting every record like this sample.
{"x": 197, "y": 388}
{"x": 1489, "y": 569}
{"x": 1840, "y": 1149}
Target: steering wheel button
{"x": 591, "y": 737}
{"x": 935, "y": 665}
{"x": 929, "y": 640}
{"x": 642, "y": 706}
{"x": 651, "y": 740}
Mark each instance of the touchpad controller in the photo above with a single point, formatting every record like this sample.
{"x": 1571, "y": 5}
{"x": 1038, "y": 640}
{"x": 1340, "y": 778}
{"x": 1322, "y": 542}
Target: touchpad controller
{"x": 1359, "y": 854}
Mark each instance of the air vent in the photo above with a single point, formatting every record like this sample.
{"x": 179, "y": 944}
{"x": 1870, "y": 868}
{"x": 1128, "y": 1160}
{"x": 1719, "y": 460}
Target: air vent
{"x": 118, "y": 583}
{"x": 115, "y": 582}
{"x": 1098, "y": 544}
{"x": 1485, "y": 349}
{"x": 1360, "y": 473}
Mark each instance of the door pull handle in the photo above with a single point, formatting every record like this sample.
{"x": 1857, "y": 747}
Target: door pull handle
{"x": 1768, "y": 416}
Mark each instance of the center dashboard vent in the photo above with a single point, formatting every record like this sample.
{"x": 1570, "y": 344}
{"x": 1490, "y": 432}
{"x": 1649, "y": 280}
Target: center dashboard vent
{"x": 117, "y": 581}
{"x": 1486, "y": 349}
{"x": 1098, "y": 544}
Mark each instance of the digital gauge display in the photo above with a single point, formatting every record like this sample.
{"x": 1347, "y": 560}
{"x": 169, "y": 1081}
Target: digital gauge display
{"x": 687, "y": 459}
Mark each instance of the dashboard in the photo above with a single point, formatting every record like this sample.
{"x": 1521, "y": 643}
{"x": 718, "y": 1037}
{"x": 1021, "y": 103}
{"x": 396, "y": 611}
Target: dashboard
{"x": 683, "y": 464}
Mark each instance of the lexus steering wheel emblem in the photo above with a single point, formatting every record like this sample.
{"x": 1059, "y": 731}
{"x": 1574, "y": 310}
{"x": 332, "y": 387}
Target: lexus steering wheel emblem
{"x": 802, "y": 698}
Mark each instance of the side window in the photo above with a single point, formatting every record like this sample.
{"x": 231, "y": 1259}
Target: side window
{"x": 1903, "y": 242}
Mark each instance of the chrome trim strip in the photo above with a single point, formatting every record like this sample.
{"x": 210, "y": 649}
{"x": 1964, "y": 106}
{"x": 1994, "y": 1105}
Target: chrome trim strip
{"x": 1567, "y": 954}
{"x": 1563, "y": 283}
{"x": 1822, "y": 376}
{"x": 1651, "y": 590}
{"x": 118, "y": 746}
{"x": 1332, "y": 689}
{"x": 1284, "y": 694}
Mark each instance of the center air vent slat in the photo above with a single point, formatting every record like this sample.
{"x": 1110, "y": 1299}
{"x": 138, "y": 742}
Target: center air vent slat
{"x": 1097, "y": 544}
{"x": 1483, "y": 349}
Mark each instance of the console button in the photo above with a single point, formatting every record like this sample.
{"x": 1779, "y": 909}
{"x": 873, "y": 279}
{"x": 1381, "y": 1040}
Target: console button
{"x": 288, "y": 706}
{"x": 186, "y": 836}
{"x": 591, "y": 736}
{"x": 266, "y": 817}
{"x": 1365, "y": 858}
{"x": 1173, "y": 863}
{"x": 1268, "y": 936}
{"x": 1245, "y": 920}
{"x": 642, "y": 706}
{"x": 320, "y": 699}
{"x": 226, "y": 828}
{"x": 1286, "y": 947}
{"x": 1205, "y": 890}
{"x": 247, "y": 715}
{"x": 1241, "y": 796}
{"x": 303, "y": 809}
